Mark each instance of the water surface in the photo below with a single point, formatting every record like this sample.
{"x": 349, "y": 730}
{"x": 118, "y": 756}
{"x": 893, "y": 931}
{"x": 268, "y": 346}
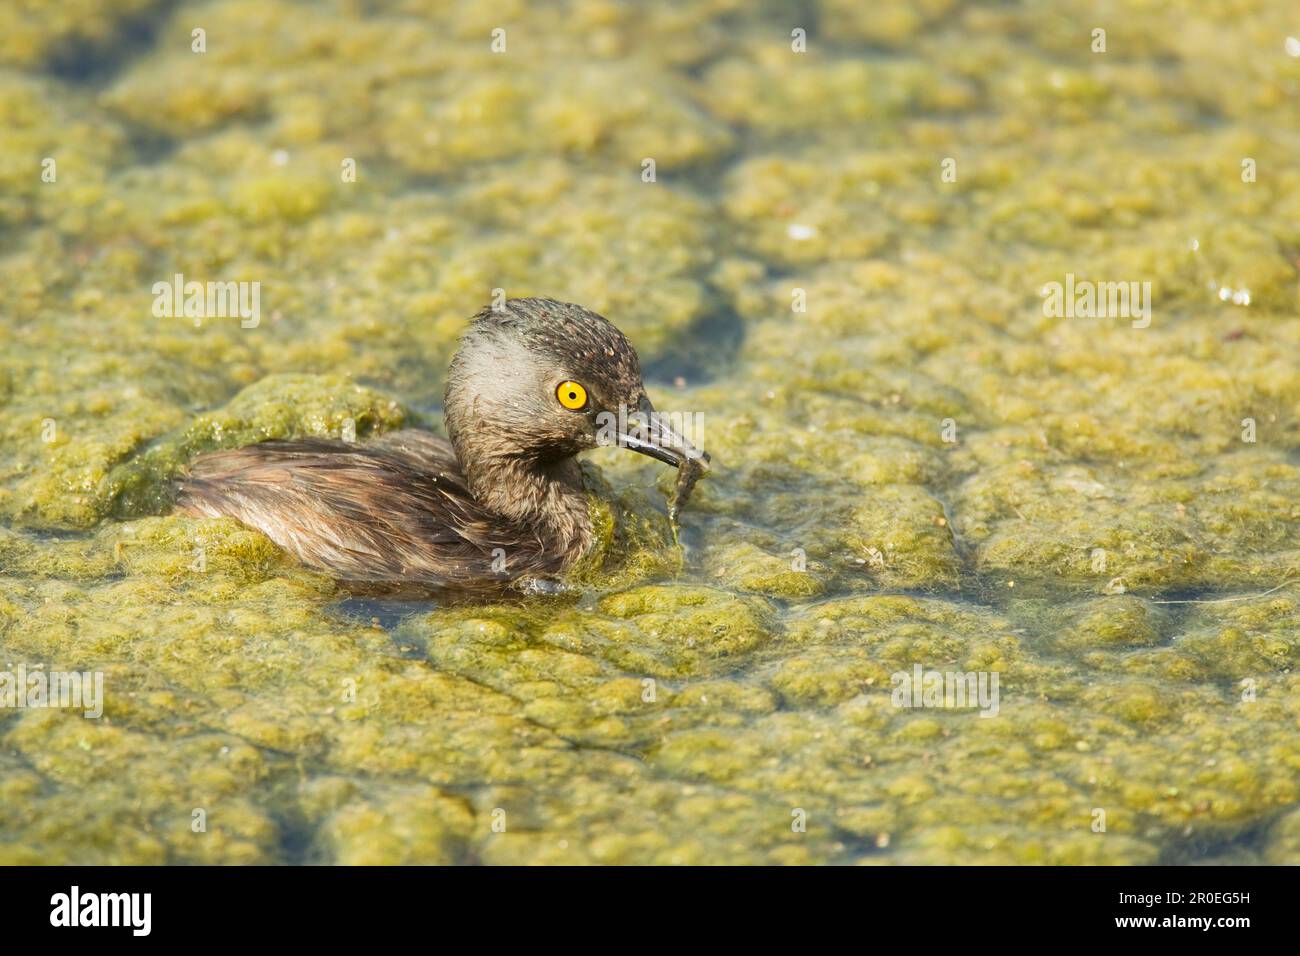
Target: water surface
{"x": 916, "y": 464}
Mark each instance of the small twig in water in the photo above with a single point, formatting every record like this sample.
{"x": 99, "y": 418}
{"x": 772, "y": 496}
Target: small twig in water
{"x": 1242, "y": 597}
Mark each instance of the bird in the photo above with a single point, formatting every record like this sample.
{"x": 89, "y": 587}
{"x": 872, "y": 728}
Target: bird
{"x": 500, "y": 502}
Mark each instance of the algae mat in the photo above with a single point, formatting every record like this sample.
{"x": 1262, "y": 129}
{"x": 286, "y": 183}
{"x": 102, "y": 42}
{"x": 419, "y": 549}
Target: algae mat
{"x": 878, "y": 247}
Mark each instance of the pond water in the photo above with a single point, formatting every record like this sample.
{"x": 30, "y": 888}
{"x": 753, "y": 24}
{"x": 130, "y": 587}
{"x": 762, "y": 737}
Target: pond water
{"x": 841, "y": 254}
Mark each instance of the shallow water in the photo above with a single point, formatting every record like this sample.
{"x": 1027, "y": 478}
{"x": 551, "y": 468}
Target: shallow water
{"x": 917, "y": 467}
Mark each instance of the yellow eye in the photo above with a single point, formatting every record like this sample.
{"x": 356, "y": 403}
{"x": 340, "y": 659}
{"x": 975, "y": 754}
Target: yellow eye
{"x": 571, "y": 395}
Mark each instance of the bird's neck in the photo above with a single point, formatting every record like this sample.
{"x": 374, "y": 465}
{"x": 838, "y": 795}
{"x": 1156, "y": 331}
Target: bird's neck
{"x": 547, "y": 499}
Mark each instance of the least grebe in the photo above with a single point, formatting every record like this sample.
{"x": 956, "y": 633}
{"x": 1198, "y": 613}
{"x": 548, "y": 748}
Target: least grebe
{"x": 533, "y": 383}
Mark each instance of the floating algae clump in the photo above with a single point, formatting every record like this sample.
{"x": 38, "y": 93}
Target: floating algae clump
{"x": 284, "y": 406}
{"x": 81, "y": 485}
{"x": 915, "y": 464}
{"x": 631, "y": 539}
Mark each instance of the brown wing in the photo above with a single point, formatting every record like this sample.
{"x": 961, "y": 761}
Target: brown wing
{"x": 395, "y": 509}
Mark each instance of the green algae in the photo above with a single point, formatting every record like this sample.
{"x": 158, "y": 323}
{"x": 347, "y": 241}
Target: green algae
{"x": 916, "y": 468}
{"x": 632, "y": 539}
{"x": 39, "y": 123}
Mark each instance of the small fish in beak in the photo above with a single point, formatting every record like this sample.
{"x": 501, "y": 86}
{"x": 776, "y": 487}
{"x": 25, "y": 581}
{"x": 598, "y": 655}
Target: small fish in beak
{"x": 648, "y": 434}
{"x": 690, "y": 471}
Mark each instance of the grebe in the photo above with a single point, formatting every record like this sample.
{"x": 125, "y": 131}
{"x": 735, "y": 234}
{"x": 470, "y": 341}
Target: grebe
{"x": 500, "y": 501}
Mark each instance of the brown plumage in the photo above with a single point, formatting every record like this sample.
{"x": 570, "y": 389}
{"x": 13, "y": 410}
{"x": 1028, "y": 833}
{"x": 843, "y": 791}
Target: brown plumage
{"x": 501, "y": 502}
